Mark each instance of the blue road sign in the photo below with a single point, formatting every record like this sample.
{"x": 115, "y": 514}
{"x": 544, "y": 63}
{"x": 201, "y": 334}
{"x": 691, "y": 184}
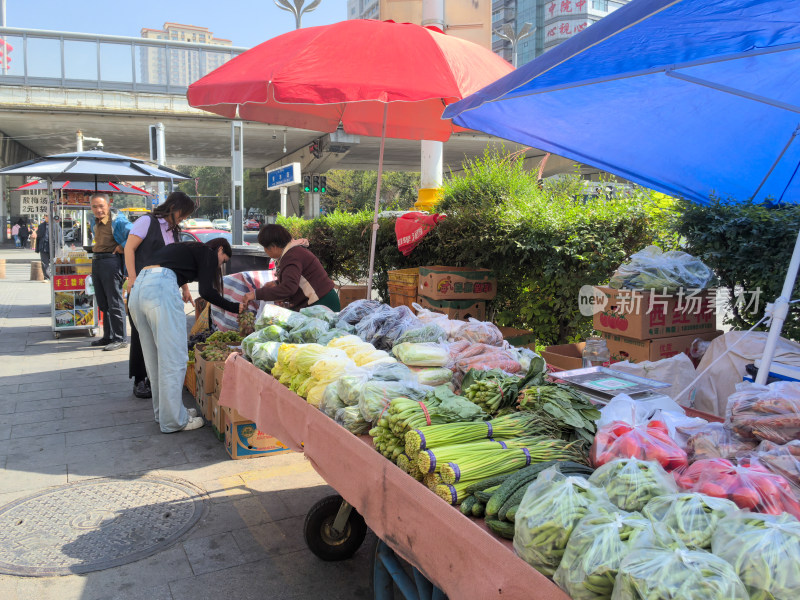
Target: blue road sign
{"x": 283, "y": 176}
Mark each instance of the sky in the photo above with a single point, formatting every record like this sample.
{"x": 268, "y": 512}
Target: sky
{"x": 246, "y": 22}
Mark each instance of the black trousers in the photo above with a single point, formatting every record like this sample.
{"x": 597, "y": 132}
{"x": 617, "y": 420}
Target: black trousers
{"x": 136, "y": 366}
{"x": 45, "y": 258}
{"x": 107, "y": 279}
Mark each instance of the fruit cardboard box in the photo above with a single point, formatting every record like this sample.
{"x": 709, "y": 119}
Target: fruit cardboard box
{"x": 633, "y": 350}
{"x": 644, "y": 315}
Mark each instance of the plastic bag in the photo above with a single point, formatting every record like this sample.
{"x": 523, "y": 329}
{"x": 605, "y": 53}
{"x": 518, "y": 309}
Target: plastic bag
{"x": 433, "y": 376}
{"x": 630, "y": 483}
{"x": 309, "y": 332}
{"x": 272, "y": 314}
{"x": 781, "y": 459}
{"x": 479, "y": 332}
{"x": 355, "y": 311}
{"x": 399, "y": 321}
{"x": 430, "y": 332}
{"x": 394, "y": 371}
{"x": 676, "y": 574}
{"x": 265, "y": 355}
{"x": 678, "y": 371}
{"x": 547, "y": 514}
{"x": 346, "y": 343}
{"x": 425, "y": 354}
{"x": 595, "y": 550}
{"x": 715, "y": 441}
{"x": 330, "y": 335}
{"x": 765, "y": 412}
{"x": 349, "y": 385}
{"x": 369, "y": 325}
{"x": 765, "y": 552}
{"x": 306, "y": 355}
{"x": 263, "y": 335}
{"x": 644, "y": 442}
{"x": 692, "y": 517}
{"x": 653, "y": 268}
{"x": 296, "y": 320}
{"x": 330, "y": 402}
{"x": 635, "y": 412}
{"x": 449, "y": 326}
{"x": 484, "y": 358}
{"x": 752, "y": 487}
{"x": 376, "y": 396}
{"x": 320, "y": 312}
{"x": 351, "y": 419}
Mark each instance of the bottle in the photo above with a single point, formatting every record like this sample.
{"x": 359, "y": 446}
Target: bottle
{"x": 596, "y": 353}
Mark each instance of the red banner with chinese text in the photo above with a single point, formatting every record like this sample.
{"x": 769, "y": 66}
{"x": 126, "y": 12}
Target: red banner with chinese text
{"x": 411, "y": 227}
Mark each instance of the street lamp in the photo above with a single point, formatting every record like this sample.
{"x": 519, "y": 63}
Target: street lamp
{"x": 508, "y": 34}
{"x": 296, "y": 8}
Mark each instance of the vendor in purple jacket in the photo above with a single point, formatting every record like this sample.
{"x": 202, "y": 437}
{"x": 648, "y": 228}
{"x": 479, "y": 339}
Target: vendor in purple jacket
{"x": 301, "y": 279}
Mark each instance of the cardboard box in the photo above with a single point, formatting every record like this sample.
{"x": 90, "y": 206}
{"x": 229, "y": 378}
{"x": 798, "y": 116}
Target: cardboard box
{"x": 521, "y": 338}
{"x": 565, "y": 356}
{"x": 190, "y": 379}
{"x": 623, "y": 348}
{"x": 203, "y": 401}
{"x": 457, "y": 283}
{"x": 243, "y": 440}
{"x": 350, "y": 293}
{"x": 456, "y": 309}
{"x": 218, "y": 418}
{"x": 646, "y": 315}
{"x": 219, "y": 371}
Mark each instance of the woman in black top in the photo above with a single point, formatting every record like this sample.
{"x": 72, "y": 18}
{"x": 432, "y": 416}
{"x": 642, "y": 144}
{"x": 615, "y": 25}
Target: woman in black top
{"x": 157, "y": 310}
{"x": 149, "y": 234}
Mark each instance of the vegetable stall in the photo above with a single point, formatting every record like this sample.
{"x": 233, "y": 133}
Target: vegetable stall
{"x": 464, "y": 455}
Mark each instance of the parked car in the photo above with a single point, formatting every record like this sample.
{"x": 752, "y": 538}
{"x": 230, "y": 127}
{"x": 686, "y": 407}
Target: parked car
{"x": 204, "y": 235}
{"x": 252, "y": 225}
{"x": 221, "y": 224}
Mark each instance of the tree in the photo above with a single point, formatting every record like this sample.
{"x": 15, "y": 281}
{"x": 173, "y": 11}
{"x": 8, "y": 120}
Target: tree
{"x": 211, "y": 189}
{"x": 355, "y": 190}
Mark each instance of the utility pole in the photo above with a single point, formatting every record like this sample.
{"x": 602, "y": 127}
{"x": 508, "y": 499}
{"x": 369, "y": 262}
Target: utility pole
{"x": 431, "y": 152}
{"x": 296, "y": 8}
{"x": 237, "y": 182}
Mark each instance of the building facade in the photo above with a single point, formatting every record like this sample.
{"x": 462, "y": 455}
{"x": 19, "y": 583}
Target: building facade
{"x": 180, "y": 66}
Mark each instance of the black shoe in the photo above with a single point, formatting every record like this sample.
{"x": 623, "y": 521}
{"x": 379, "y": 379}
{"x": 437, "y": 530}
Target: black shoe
{"x": 115, "y": 346}
{"x": 142, "y": 389}
{"x": 101, "y": 342}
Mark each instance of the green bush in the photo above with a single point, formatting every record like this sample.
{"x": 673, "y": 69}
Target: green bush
{"x": 543, "y": 243}
{"x": 748, "y": 246}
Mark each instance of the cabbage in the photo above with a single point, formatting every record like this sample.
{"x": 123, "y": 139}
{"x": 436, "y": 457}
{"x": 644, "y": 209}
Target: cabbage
{"x": 433, "y": 376}
{"x": 422, "y": 355}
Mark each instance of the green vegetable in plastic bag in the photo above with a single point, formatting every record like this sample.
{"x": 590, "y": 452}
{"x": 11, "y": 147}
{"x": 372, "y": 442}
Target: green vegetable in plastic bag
{"x": 631, "y": 483}
{"x": 265, "y": 354}
{"x": 691, "y": 517}
{"x": 331, "y": 334}
{"x": 595, "y": 550}
{"x": 547, "y": 515}
{"x": 351, "y": 419}
{"x": 308, "y": 332}
{"x": 349, "y": 386}
{"x": 272, "y": 314}
{"x": 393, "y": 371}
{"x": 331, "y": 402}
{"x": 376, "y": 395}
{"x": 426, "y": 333}
{"x": 321, "y": 312}
{"x": 433, "y": 376}
{"x": 426, "y": 354}
{"x": 263, "y": 335}
{"x": 764, "y": 550}
{"x": 676, "y": 574}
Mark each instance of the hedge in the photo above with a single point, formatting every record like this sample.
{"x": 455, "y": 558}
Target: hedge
{"x": 543, "y": 242}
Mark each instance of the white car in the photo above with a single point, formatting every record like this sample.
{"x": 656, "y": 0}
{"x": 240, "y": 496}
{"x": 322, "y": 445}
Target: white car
{"x": 221, "y": 224}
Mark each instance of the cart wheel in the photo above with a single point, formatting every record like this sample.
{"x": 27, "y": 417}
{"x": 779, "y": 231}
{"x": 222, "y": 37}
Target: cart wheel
{"x": 91, "y": 331}
{"x": 322, "y": 540}
{"x": 56, "y": 334}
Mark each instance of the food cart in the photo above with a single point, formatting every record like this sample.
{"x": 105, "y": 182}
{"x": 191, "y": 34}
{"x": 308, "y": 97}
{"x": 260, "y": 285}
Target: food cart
{"x": 450, "y": 554}
{"x": 72, "y": 307}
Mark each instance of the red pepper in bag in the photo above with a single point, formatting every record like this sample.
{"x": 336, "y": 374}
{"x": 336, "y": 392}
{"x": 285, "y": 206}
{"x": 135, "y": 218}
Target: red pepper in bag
{"x": 651, "y": 442}
{"x": 750, "y": 485}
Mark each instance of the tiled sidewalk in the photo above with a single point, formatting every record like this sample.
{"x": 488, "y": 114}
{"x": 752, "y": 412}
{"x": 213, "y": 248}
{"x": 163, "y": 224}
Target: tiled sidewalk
{"x": 67, "y": 414}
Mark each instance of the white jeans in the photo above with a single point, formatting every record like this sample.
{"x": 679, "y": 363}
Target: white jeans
{"x": 157, "y": 311}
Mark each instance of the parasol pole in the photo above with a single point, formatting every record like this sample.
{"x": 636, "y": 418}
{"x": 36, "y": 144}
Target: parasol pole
{"x": 377, "y": 204}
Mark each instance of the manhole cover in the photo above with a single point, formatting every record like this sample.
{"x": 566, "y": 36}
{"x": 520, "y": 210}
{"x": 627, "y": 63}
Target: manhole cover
{"x": 95, "y": 524}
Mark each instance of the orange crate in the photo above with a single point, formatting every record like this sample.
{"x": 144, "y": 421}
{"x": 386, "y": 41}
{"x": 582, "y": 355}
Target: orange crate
{"x": 404, "y": 276}
{"x": 190, "y": 381}
{"x": 402, "y": 294}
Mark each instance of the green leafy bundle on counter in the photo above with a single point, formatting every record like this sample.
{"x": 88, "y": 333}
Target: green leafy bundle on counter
{"x": 572, "y": 410}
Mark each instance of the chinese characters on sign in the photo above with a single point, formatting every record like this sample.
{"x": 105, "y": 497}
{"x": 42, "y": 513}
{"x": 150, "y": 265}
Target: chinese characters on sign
{"x": 63, "y": 283}
{"x": 33, "y": 204}
{"x": 564, "y": 29}
{"x": 689, "y": 301}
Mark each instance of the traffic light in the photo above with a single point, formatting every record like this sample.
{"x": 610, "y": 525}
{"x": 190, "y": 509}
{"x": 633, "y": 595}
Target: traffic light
{"x": 306, "y": 183}
{"x": 316, "y": 183}
{"x": 323, "y": 184}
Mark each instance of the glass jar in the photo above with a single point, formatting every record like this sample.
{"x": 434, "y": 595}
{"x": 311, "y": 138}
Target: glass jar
{"x": 596, "y": 353}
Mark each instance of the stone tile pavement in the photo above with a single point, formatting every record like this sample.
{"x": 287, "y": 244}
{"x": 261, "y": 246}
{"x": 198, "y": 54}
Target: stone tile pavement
{"x": 67, "y": 414}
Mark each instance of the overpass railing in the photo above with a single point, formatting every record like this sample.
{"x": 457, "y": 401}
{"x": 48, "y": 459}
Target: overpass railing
{"x": 34, "y": 57}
